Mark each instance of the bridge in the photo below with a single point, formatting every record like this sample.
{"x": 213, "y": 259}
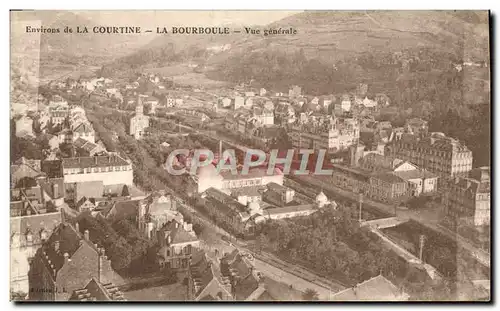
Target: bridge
{"x": 376, "y": 225}
{"x": 384, "y": 223}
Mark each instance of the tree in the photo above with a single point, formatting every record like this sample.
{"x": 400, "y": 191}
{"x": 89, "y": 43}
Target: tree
{"x": 125, "y": 191}
{"x": 310, "y": 294}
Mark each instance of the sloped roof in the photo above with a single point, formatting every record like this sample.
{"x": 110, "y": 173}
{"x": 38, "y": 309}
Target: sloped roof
{"x": 83, "y": 200}
{"x": 35, "y": 165}
{"x": 388, "y": 177}
{"x": 245, "y": 287}
{"x": 177, "y": 233}
{"x": 289, "y": 209}
{"x": 34, "y": 224}
{"x": 97, "y": 291}
{"x": 252, "y": 173}
{"x": 80, "y": 142}
{"x": 248, "y": 191}
{"x": 83, "y": 127}
{"x": 47, "y": 186}
{"x": 69, "y": 242}
{"x": 125, "y": 209}
{"x": 415, "y": 174}
{"x": 100, "y": 161}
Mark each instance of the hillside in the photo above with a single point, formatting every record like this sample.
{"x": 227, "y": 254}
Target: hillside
{"x": 334, "y": 36}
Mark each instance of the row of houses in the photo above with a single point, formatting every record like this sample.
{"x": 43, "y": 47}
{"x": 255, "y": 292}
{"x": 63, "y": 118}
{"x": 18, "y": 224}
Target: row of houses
{"x": 240, "y": 202}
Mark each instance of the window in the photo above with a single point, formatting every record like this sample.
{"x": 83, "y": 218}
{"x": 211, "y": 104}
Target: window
{"x": 29, "y": 237}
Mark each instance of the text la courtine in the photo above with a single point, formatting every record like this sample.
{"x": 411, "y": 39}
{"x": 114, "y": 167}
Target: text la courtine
{"x": 109, "y": 29}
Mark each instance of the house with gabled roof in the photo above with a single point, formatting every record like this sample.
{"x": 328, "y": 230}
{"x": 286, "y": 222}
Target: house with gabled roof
{"x": 205, "y": 280}
{"x": 24, "y": 167}
{"x": 177, "y": 242}
{"x": 85, "y": 148}
{"x": 66, "y": 262}
{"x": 84, "y": 130}
{"x": 27, "y": 234}
{"x": 97, "y": 291}
{"x": 245, "y": 280}
{"x": 85, "y": 205}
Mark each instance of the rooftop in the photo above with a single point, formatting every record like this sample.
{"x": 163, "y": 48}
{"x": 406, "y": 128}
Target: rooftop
{"x": 100, "y": 161}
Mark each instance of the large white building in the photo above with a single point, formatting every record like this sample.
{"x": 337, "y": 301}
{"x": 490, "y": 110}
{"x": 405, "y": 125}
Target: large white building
{"x": 209, "y": 177}
{"x": 333, "y": 136}
{"x": 110, "y": 169}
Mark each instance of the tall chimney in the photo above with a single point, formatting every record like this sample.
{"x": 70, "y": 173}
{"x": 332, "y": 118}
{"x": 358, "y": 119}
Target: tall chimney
{"x": 77, "y": 227}
{"x": 95, "y": 160}
{"x": 87, "y": 235}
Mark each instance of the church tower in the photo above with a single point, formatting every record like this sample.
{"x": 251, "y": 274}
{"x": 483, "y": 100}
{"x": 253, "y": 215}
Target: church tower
{"x": 139, "y": 109}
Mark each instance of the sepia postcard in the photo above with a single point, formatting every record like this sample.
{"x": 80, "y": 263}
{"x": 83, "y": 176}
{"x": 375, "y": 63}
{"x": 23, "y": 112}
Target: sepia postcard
{"x": 332, "y": 156}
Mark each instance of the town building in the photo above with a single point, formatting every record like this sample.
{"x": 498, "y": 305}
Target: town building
{"x": 27, "y": 234}
{"x": 177, "y": 242}
{"x": 333, "y": 136}
{"x": 437, "y": 153}
{"x": 24, "y": 168}
{"x": 85, "y": 205}
{"x": 66, "y": 262}
{"x": 209, "y": 177}
{"x": 345, "y": 104}
{"x": 468, "y": 198}
{"x": 417, "y": 127}
{"x": 24, "y": 127}
{"x": 139, "y": 123}
{"x": 84, "y": 130}
{"x": 111, "y": 169}
{"x": 58, "y": 110}
{"x": 295, "y": 91}
{"x": 240, "y": 212}
{"x": 228, "y": 212}
{"x": 205, "y": 280}
{"x": 154, "y": 212}
{"x": 380, "y": 186}
{"x": 239, "y": 102}
{"x": 86, "y": 148}
{"x": 246, "y": 281}
{"x": 387, "y": 187}
{"x": 284, "y": 114}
